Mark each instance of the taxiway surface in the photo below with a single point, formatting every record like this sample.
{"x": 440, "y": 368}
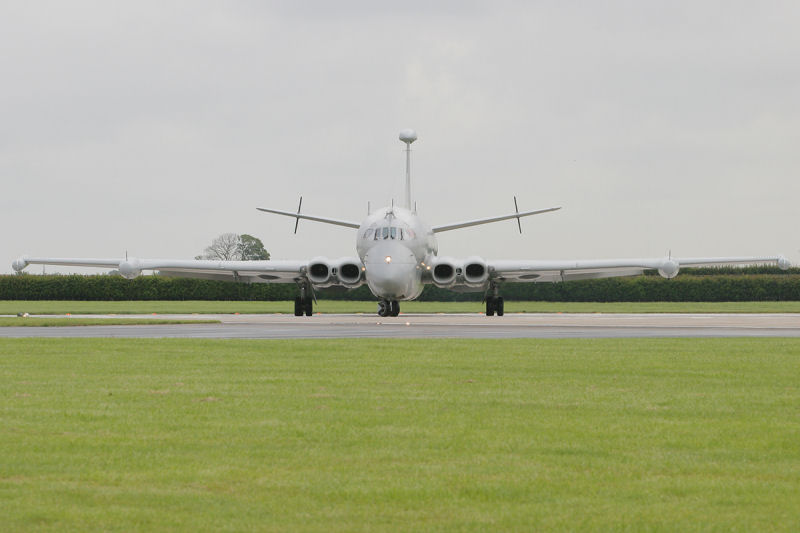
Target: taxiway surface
{"x": 522, "y": 325}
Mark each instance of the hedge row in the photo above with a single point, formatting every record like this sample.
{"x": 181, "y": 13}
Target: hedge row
{"x": 732, "y": 270}
{"x": 685, "y": 288}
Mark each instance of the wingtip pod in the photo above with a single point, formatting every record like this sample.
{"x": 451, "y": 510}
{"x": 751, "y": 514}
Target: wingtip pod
{"x": 19, "y": 264}
{"x": 783, "y": 263}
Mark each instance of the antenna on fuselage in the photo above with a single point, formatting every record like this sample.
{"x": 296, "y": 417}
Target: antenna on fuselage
{"x": 408, "y": 136}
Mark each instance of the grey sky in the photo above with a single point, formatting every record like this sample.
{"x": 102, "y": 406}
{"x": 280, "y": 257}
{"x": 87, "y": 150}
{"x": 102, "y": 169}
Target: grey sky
{"x": 153, "y": 127}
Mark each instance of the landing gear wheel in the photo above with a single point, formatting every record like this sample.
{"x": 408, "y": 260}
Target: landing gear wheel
{"x": 303, "y": 306}
{"x": 383, "y": 308}
{"x": 494, "y": 304}
{"x": 490, "y": 306}
{"x": 388, "y": 308}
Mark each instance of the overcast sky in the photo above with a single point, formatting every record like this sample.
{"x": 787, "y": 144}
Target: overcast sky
{"x": 152, "y": 127}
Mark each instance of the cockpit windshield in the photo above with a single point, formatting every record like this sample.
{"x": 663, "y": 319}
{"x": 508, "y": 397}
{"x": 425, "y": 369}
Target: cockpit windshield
{"x": 395, "y": 231}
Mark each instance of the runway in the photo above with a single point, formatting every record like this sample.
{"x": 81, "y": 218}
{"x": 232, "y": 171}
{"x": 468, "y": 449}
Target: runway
{"x": 477, "y": 326}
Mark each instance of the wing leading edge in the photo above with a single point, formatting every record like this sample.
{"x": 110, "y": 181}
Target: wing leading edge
{"x": 668, "y": 267}
{"x": 249, "y": 271}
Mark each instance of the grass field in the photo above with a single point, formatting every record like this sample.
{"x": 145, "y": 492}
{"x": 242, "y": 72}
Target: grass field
{"x": 415, "y": 435}
{"x": 11, "y": 307}
{"x": 62, "y": 322}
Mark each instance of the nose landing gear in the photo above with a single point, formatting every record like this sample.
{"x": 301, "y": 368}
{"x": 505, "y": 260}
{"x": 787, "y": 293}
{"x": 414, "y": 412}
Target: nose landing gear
{"x": 388, "y": 308}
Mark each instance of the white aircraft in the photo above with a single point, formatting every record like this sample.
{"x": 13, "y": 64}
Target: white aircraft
{"x": 397, "y": 256}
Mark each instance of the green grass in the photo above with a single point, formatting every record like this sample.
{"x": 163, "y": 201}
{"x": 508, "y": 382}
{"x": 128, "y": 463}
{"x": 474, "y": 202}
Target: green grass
{"x": 8, "y": 307}
{"x": 65, "y": 322}
{"x": 412, "y": 435}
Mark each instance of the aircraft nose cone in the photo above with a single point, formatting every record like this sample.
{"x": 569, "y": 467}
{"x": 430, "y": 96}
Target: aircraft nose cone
{"x": 390, "y": 270}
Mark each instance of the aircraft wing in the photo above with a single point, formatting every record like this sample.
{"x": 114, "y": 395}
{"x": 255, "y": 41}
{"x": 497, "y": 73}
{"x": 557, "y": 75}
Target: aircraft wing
{"x": 248, "y": 271}
{"x": 668, "y": 267}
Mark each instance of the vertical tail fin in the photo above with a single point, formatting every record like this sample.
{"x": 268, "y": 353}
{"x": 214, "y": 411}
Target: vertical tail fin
{"x": 408, "y": 136}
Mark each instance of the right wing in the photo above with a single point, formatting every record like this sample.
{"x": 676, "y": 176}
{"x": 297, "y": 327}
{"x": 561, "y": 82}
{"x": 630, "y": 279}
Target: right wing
{"x": 246, "y": 271}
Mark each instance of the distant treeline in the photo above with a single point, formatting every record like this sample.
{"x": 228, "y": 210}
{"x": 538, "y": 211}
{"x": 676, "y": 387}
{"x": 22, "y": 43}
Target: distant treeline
{"x": 698, "y": 285}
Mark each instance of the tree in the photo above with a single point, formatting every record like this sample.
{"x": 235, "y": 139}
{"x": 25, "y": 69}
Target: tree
{"x": 225, "y": 248}
{"x": 252, "y": 249}
{"x": 233, "y": 247}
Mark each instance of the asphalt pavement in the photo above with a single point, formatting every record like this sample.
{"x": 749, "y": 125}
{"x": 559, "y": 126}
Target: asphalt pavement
{"x": 478, "y": 326}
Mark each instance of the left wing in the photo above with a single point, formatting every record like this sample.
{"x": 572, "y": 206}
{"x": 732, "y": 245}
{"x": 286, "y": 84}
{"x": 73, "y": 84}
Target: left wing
{"x": 668, "y": 267}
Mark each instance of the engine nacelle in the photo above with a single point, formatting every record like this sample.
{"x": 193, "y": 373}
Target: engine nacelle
{"x": 319, "y": 271}
{"x": 475, "y": 272}
{"x": 348, "y": 271}
{"x": 669, "y": 268}
{"x": 444, "y": 271}
{"x": 130, "y": 269}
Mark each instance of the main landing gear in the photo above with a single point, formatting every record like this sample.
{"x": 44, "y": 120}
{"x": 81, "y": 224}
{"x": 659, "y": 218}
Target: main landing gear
{"x": 304, "y": 303}
{"x": 494, "y": 304}
{"x": 388, "y": 308}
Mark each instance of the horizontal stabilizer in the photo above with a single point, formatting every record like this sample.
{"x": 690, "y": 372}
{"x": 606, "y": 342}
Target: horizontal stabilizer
{"x": 478, "y": 222}
{"x": 325, "y": 220}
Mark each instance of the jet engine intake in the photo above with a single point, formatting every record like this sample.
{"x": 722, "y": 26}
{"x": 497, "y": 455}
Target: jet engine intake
{"x": 475, "y": 272}
{"x": 444, "y": 272}
{"x": 348, "y": 271}
{"x": 319, "y": 272}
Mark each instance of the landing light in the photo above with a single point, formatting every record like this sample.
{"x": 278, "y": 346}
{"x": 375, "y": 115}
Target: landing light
{"x": 388, "y": 259}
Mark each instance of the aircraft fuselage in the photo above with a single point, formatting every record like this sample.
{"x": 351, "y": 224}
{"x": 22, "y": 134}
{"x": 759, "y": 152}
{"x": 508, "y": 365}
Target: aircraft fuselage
{"x": 396, "y": 247}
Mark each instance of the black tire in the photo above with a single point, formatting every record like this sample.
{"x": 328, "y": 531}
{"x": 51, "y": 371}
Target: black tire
{"x": 383, "y": 308}
{"x": 308, "y": 307}
{"x": 298, "y": 306}
{"x": 395, "y": 308}
{"x": 490, "y": 306}
{"x": 500, "y": 304}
